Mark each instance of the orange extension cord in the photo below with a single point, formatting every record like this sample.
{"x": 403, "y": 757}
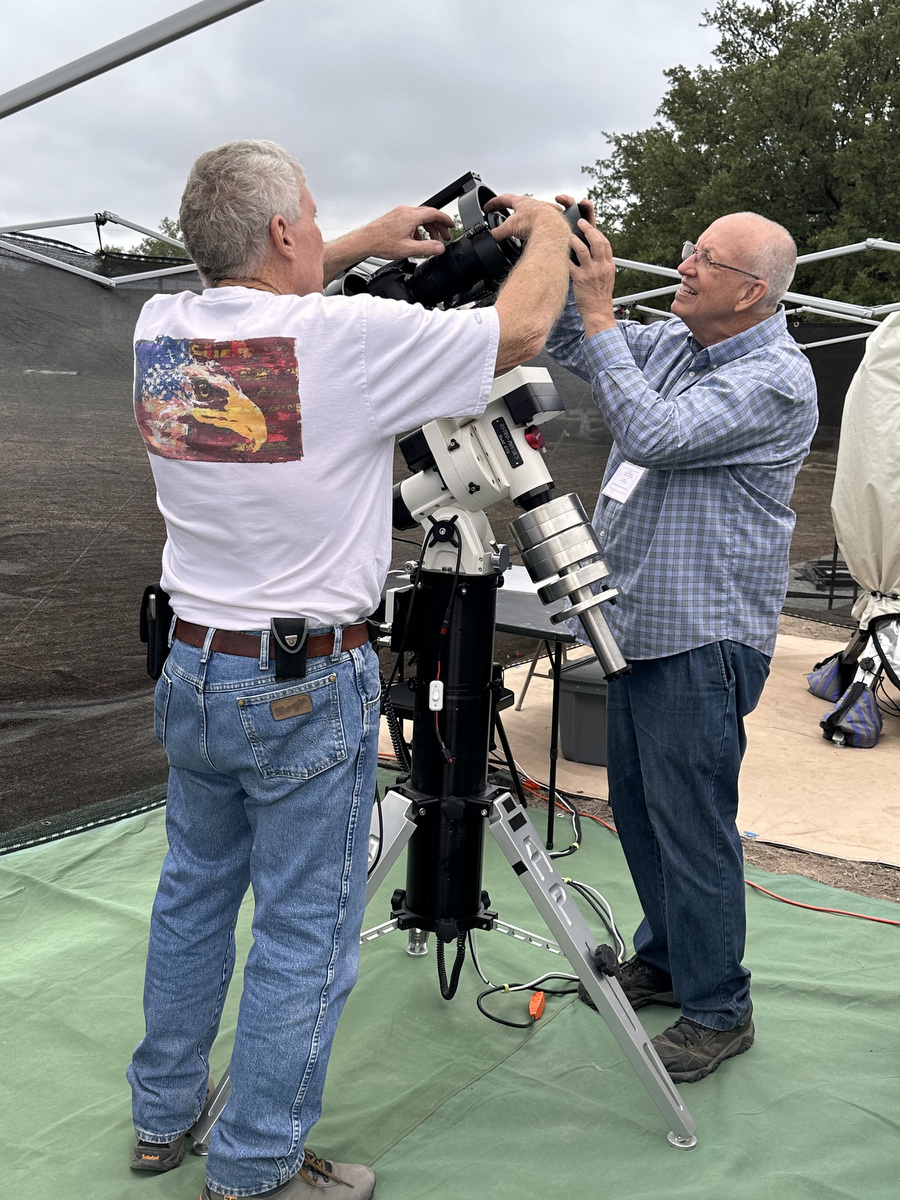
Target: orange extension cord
{"x": 539, "y": 790}
{"x": 840, "y": 912}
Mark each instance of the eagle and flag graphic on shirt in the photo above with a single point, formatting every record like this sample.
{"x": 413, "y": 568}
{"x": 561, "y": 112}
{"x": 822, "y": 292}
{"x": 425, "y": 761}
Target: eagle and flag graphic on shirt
{"x": 219, "y": 401}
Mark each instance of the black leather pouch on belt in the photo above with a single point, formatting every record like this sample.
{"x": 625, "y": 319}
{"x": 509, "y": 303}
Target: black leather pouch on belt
{"x": 156, "y": 619}
{"x": 289, "y": 636}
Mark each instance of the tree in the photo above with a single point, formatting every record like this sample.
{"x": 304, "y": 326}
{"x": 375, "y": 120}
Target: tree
{"x": 798, "y": 121}
{"x": 157, "y": 248}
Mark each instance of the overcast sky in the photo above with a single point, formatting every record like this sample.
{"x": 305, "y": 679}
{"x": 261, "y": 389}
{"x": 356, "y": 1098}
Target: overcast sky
{"x": 383, "y": 101}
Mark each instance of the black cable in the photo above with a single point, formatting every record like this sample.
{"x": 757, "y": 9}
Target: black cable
{"x": 380, "y": 832}
{"x": 455, "y": 540}
{"x": 393, "y": 723}
{"x": 449, "y": 991}
{"x": 508, "y": 988}
{"x": 412, "y": 600}
{"x": 500, "y": 1021}
{"x": 595, "y": 905}
{"x": 886, "y": 703}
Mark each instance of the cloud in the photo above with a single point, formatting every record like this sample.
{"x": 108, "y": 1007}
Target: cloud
{"x": 383, "y": 101}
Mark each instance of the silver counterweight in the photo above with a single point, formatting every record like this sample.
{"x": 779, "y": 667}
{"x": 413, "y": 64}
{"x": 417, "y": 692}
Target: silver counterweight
{"x": 560, "y": 551}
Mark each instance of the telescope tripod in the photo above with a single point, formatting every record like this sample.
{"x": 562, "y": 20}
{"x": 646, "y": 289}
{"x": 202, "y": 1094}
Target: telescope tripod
{"x": 440, "y": 814}
{"x": 517, "y": 838}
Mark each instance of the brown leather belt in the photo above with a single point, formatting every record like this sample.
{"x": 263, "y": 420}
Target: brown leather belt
{"x": 227, "y": 641}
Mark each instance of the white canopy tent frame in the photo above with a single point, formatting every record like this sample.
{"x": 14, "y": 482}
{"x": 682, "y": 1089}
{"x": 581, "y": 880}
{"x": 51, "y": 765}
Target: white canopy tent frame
{"x": 817, "y": 305}
{"x": 98, "y": 62}
{"x": 126, "y": 49}
{"x": 98, "y": 219}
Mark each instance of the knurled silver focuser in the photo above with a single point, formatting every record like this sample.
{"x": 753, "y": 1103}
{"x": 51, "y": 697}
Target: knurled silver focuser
{"x": 562, "y": 555}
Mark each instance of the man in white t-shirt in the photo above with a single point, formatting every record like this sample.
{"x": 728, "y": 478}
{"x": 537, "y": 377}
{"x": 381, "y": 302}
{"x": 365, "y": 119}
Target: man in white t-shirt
{"x": 269, "y": 413}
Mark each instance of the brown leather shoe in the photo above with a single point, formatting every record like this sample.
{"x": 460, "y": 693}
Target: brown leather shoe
{"x": 317, "y": 1179}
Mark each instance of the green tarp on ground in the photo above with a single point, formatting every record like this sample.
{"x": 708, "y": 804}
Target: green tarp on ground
{"x": 442, "y": 1102}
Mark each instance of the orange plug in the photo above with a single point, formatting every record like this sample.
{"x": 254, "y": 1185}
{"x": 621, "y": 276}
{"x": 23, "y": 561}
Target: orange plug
{"x": 536, "y": 1005}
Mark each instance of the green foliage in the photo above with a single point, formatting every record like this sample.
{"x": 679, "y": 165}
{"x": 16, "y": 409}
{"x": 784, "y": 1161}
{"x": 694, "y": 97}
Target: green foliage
{"x": 156, "y": 247}
{"x": 797, "y": 121}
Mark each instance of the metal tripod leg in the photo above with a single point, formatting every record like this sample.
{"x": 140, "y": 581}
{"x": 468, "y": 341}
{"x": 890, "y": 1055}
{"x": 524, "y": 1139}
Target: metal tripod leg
{"x": 517, "y": 838}
{"x": 388, "y": 836}
{"x": 389, "y": 832}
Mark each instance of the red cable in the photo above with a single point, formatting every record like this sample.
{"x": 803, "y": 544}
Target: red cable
{"x": 840, "y": 912}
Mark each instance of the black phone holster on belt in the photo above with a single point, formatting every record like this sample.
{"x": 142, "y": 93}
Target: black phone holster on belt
{"x": 288, "y": 644}
{"x": 156, "y": 620}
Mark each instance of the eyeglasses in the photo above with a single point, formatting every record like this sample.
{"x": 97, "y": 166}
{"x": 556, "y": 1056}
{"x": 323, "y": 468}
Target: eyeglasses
{"x": 689, "y": 250}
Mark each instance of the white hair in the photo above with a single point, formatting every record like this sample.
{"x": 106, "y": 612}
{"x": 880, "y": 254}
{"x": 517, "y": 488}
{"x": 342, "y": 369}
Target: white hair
{"x": 230, "y": 197}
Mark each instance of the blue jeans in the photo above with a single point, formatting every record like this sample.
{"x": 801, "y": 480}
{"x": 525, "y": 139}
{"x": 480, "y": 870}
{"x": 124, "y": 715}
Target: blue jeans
{"x": 270, "y": 786}
{"x": 675, "y": 743}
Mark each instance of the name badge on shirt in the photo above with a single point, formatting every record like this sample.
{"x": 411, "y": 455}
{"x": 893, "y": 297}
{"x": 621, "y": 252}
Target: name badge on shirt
{"x": 624, "y": 480}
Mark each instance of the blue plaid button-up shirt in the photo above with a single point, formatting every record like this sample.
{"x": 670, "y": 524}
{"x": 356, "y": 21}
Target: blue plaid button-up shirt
{"x": 699, "y": 550}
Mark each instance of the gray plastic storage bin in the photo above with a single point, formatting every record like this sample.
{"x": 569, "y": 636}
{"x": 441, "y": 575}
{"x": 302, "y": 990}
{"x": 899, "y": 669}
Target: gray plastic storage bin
{"x": 582, "y": 713}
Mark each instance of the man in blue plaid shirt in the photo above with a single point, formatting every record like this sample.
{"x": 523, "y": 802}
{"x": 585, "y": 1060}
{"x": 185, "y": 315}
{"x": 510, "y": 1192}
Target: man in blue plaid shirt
{"x": 711, "y": 414}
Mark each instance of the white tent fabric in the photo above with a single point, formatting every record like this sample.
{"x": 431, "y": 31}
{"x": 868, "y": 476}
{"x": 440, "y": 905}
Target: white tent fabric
{"x": 865, "y": 504}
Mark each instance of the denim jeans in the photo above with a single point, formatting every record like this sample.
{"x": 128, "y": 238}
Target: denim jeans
{"x": 270, "y": 786}
{"x": 675, "y": 740}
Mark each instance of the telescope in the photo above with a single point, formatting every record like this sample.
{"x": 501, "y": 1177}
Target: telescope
{"x": 444, "y": 612}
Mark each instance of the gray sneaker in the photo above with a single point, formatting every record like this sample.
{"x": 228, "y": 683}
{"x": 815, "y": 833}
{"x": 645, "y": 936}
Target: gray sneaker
{"x": 315, "y": 1179}
{"x": 690, "y": 1052}
{"x": 642, "y": 984}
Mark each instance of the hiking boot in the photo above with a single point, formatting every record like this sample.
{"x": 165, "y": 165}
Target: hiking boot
{"x": 642, "y": 984}
{"x": 161, "y": 1156}
{"x": 157, "y": 1156}
{"x": 690, "y": 1051}
{"x": 316, "y": 1178}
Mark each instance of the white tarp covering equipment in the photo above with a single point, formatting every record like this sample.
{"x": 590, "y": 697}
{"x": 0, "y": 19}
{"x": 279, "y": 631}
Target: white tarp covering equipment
{"x": 865, "y": 504}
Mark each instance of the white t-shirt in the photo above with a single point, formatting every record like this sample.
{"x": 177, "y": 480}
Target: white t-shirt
{"x": 270, "y": 424}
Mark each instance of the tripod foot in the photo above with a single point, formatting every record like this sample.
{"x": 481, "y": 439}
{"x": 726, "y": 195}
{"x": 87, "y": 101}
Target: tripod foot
{"x": 681, "y": 1143}
{"x": 418, "y": 943}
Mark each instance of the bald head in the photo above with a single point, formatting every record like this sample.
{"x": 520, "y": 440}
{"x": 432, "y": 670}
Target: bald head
{"x": 738, "y": 271}
{"x": 764, "y": 247}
